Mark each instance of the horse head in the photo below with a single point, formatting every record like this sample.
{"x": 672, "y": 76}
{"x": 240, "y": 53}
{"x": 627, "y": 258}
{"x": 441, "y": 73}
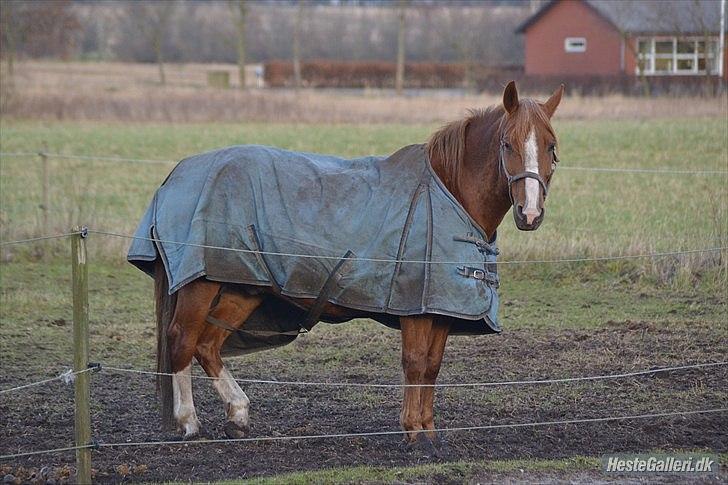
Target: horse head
{"x": 527, "y": 154}
{"x": 498, "y": 158}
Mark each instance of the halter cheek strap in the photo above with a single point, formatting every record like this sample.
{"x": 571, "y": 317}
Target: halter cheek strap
{"x": 523, "y": 175}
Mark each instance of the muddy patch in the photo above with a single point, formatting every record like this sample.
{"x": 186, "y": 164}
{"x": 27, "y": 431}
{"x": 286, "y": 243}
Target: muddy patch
{"x": 125, "y": 409}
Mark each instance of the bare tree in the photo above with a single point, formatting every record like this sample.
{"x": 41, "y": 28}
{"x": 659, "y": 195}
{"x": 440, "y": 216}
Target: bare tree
{"x": 474, "y": 46}
{"x": 39, "y": 29}
{"x": 240, "y": 9}
{"x": 703, "y": 20}
{"x": 206, "y": 31}
{"x": 699, "y": 17}
{"x": 631, "y": 44}
{"x": 9, "y": 28}
{"x": 399, "y": 79}
{"x": 623, "y": 11}
{"x": 153, "y": 20}
{"x": 297, "y": 46}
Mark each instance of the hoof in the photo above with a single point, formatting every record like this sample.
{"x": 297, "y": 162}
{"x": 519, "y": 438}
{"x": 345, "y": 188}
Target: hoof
{"x": 442, "y": 450}
{"x": 422, "y": 445}
{"x": 192, "y": 435}
{"x": 234, "y": 430}
{"x": 200, "y": 434}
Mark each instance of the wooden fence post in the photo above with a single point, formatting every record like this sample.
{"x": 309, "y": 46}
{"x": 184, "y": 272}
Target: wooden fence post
{"x": 80, "y": 355}
{"x": 45, "y": 204}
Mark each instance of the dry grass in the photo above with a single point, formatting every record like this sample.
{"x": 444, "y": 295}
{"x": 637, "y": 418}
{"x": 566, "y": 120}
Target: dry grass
{"x": 130, "y": 92}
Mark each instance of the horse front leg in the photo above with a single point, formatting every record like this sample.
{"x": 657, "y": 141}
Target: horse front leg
{"x": 415, "y": 347}
{"x": 438, "y": 338}
{"x": 232, "y": 309}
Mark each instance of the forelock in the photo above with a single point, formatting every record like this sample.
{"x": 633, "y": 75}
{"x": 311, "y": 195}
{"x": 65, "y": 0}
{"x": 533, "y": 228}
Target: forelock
{"x": 517, "y": 125}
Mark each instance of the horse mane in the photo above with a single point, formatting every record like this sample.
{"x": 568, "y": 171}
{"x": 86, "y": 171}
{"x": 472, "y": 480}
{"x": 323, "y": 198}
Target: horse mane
{"x": 448, "y": 143}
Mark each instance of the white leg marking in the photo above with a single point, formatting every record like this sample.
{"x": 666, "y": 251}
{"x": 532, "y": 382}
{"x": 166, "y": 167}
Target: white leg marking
{"x": 531, "y": 210}
{"x": 236, "y": 402}
{"x": 184, "y": 407}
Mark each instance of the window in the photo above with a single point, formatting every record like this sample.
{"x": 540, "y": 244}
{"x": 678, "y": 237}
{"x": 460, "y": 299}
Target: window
{"x": 677, "y": 55}
{"x": 575, "y": 44}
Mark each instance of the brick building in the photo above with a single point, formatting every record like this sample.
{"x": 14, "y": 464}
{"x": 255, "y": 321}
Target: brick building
{"x": 618, "y": 38}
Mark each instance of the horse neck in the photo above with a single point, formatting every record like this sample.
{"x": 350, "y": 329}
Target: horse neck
{"x": 477, "y": 182}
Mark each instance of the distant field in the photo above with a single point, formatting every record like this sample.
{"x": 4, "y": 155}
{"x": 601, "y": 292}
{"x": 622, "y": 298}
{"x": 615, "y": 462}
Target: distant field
{"x": 131, "y": 92}
{"x": 560, "y": 320}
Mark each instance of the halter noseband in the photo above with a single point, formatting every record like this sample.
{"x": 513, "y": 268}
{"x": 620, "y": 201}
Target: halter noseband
{"x": 526, "y": 174}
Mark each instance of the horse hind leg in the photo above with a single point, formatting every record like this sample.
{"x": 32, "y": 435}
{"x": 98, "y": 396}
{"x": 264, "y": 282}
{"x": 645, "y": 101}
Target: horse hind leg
{"x": 184, "y": 406}
{"x": 233, "y": 309}
{"x": 183, "y": 334}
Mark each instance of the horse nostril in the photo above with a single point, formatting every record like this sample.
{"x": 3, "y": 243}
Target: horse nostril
{"x": 519, "y": 211}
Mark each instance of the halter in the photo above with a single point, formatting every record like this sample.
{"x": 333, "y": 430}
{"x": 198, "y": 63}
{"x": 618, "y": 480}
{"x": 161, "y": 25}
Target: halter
{"x": 526, "y": 174}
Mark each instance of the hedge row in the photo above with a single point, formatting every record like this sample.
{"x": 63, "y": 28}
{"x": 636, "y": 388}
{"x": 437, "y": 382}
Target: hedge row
{"x": 365, "y": 74}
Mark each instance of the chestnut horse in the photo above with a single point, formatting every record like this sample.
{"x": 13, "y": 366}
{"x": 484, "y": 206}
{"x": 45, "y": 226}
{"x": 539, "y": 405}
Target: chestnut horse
{"x": 493, "y": 160}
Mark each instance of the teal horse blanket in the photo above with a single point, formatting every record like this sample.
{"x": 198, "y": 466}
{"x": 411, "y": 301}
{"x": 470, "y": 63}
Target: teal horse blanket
{"x": 397, "y": 242}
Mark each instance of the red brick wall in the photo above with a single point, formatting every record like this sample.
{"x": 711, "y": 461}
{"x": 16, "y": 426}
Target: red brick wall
{"x": 545, "y": 54}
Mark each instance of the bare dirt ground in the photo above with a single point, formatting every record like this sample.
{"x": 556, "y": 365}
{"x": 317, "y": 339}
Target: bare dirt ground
{"x": 124, "y": 409}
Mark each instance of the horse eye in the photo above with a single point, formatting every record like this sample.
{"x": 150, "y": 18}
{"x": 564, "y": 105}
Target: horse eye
{"x": 507, "y": 145}
{"x": 552, "y": 147}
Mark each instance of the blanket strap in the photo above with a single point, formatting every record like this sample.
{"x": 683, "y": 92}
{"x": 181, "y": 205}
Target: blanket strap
{"x": 482, "y": 245}
{"x": 241, "y": 331}
{"x": 314, "y": 313}
{"x": 479, "y": 274}
{"x": 323, "y": 297}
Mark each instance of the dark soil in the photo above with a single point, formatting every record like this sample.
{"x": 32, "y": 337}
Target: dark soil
{"x": 124, "y": 409}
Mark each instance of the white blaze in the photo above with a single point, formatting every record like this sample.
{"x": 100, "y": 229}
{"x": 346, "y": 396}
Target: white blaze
{"x": 236, "y": 402}
{"x": 531, "y": 210}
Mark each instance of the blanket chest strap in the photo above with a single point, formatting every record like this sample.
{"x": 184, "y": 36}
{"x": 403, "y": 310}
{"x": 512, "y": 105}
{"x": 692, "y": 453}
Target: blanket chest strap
{"x": 323, "y": 297}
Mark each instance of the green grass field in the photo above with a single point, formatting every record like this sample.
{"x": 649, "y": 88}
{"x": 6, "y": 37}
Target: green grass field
{"x": 588, "y": 214}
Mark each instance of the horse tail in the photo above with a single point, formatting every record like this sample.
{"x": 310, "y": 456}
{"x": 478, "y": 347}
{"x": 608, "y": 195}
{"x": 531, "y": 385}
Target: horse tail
{"x": 164, "y": 306}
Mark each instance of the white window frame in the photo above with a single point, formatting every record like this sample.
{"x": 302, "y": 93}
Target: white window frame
{"x": 649, "y": 57}
{"x": 570, "y": 47}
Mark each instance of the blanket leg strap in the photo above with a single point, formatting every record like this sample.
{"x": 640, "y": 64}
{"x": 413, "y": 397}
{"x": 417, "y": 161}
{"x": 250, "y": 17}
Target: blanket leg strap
{"x": 314, "y": 312}
{"x": 226, "y": 326}
{"x": 253, "y": 333}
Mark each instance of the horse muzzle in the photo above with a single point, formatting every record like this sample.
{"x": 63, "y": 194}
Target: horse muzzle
{"x": 527, "y": 222}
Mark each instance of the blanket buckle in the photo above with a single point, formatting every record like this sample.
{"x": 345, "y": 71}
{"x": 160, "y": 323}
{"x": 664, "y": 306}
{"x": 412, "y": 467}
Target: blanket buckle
{"x": 479, "y": 274}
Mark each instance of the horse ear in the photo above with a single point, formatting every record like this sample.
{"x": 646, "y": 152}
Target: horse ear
{"x": 510, "y": 97}
{"x": 553, "y": 102}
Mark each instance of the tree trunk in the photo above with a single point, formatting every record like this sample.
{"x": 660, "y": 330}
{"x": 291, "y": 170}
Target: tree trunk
{"x": 297, "y": 46}
{"x": 630, "y": 43}
{"x": 160, "y": 57}
{"x": 399, "y": 79}
{"x": 242, "y": 15}
{"x": 163, "y": 13}
{"x": 10, "y": 31}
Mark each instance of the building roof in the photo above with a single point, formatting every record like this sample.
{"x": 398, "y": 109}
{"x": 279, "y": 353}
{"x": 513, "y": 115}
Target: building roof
{"x": 649, "y": 16}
